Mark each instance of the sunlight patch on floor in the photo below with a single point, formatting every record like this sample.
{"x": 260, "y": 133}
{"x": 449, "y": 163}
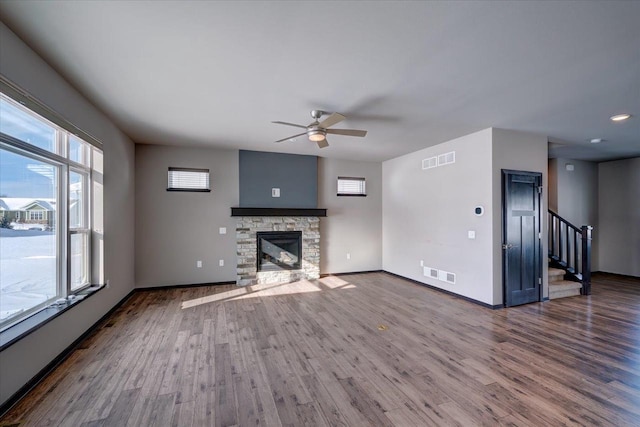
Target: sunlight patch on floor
{"x": 272, "y": 289}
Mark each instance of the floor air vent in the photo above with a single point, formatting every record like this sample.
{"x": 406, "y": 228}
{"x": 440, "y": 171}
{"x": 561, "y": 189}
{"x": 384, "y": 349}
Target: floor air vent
{"x": 445, "y": 276}
{"x": 430, "y": 272}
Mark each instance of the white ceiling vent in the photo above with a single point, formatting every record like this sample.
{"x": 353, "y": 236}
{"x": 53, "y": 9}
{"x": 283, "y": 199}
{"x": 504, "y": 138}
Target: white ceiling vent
{"x": 430, "y": 272}
{"x": 429, "y": 163}
{"x": 447, "y": 158}
{"x": 445, "y": 276}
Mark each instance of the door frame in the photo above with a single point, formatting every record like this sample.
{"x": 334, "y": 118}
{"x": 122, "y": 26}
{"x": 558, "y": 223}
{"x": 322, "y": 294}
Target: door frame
{"x": 538, "y": 267}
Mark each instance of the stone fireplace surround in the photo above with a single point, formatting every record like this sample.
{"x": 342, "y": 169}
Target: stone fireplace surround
{"x": 246, "y": 246}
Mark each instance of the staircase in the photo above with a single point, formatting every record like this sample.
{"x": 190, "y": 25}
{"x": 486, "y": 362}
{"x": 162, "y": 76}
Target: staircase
{"x": 560, "y": 288}
{"x": 569, "y": 258}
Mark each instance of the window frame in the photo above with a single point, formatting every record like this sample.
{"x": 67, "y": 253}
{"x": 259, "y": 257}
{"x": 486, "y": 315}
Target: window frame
{"x": 64, "y": 167}
{"x": 363, "y": 186}
{"x": 11, "y": 144}
{"x": 206, "y": 189}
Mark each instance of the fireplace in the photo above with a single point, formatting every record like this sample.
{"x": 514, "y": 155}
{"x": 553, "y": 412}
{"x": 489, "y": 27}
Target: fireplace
{"x": 279, "y": 250}
{"x": 282, "y": 260}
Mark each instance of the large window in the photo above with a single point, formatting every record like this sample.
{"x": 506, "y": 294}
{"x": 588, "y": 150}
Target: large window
{"x": 46, "y": 181}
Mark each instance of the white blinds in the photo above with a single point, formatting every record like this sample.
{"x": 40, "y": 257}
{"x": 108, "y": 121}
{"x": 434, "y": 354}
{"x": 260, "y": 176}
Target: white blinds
{"x": 348, "y": 186}
{"x": 184, "y": 179}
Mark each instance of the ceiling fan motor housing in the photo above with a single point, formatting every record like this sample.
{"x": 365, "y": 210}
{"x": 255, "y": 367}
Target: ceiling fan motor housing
{"x": 316, "y": 114}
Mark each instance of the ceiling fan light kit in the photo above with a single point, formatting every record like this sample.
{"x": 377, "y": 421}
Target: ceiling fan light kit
{"x": 316, "y": 135}
{"x": 317, "y": 131}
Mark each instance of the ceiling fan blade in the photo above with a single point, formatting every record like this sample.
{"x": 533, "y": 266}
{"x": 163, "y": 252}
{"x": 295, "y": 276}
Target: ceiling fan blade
{"x": 322, "y": 144}
{"x": 348, "y": 132}
{"x": 331, "y": 120}
{"x": 291, "y": 137}
{"x": 289, "y": 124}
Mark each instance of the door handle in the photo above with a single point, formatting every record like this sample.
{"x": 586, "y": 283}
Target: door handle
{"x": 508, "y": 246}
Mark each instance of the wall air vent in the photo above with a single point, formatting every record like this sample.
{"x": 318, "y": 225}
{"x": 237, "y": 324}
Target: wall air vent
{"x": 447, "y": 158}
{"x": 445, "y": 276}
{"x": 429, "y": 163}
{"x": 430, "y": 272}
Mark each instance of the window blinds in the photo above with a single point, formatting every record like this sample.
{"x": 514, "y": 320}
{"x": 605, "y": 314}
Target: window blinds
{"x": 186, "y": 179}
{"x": 349, "y": 186}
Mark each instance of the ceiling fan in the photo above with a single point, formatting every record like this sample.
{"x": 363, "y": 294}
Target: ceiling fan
{"x": 317, "y": 131}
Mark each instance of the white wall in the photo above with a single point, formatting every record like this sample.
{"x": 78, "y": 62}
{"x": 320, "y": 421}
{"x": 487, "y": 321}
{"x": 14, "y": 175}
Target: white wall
{"x": 353, "y": 224}
{"x": 176, "y": 229}
{"x": 24, "y": 359}
{"x": 619, "y": 217}
{"x": 524, "y": 152}
{"x": 427, "y": 214}
{"x": 574, "y": 196}
{"x": 577, "y": 191}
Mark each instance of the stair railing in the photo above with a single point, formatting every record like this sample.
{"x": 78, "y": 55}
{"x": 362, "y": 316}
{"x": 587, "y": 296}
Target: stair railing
{"x": 570, "y": 250}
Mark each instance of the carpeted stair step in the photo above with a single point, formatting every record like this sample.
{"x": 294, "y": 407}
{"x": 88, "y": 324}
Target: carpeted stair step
{"x": 555, "y": 274}
{"x": 563, "y": 288}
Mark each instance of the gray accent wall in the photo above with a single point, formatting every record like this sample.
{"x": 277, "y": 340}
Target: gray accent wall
{"x": 353, "y": 225}
{"x": 619, "y": 217}
{"x": 24, "y": 359}
{"x": 176, "y": 229}
{"x": 296, "y": 177}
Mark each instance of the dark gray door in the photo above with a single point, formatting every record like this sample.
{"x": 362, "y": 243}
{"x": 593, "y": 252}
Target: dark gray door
{"x": 521, "y": 257}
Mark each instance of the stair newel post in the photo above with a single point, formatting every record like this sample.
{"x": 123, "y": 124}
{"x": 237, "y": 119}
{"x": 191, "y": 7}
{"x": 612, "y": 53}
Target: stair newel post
{"x": 586, "y": 259}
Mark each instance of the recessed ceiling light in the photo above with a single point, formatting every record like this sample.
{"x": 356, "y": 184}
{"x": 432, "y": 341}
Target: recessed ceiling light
{"x": 596, "y": 140}
{"x": 620, "y": 117}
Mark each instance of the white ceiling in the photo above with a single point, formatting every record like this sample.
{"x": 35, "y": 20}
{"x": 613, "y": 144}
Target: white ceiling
{"x": 414, "y": 74}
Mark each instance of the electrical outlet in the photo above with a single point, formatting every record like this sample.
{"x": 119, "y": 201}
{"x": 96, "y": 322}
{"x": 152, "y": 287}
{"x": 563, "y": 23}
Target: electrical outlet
{"x": 348, "y": 256}
{"x": 275, "y": 192}
{"x": 471, "y": 234}
{"x": 199, "y": 264}
{"x": 421, "y": 263}
{"x": 223, "y": 230}
{"x": 221, "y": 263}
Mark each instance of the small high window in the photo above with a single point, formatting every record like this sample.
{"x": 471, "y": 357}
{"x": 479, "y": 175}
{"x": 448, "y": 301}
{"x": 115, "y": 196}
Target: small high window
{"x": 188, "y": 179}
{"x": 349, "y": 186}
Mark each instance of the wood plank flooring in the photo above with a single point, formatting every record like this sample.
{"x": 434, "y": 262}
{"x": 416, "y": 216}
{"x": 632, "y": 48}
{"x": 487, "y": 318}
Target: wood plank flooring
{"x": 356, "y": 350}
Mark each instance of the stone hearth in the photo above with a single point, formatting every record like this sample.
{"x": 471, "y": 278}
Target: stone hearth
{"x": 247, "y": 248}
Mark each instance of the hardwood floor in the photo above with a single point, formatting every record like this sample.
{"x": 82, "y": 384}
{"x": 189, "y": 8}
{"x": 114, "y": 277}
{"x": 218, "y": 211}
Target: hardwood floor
{"x": 355, "y": 350}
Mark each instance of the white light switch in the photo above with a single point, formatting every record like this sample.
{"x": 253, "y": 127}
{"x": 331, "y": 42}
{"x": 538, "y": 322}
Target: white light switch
{"x": 223, "y": 230}
{"x": 199, "y": 264}
{"x": 221, "y": 263}
{"x": 471, "y": 234}
{"x": 275, "y": 192}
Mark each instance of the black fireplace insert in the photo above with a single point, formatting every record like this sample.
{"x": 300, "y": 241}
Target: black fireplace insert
{"x": 279, "y": 250}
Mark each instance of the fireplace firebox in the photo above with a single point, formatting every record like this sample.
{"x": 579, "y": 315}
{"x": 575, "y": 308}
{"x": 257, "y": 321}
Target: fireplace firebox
{"x": 279, "y": 250}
